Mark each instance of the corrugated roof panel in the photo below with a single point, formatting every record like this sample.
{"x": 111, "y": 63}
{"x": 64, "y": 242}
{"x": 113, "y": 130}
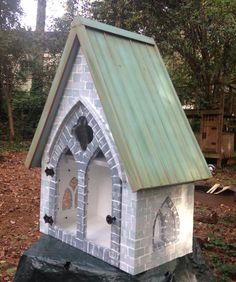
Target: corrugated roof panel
{"x": 149, "y": 127}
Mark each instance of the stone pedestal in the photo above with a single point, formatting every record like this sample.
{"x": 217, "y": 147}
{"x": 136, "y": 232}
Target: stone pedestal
{"x": 50, "y": 260}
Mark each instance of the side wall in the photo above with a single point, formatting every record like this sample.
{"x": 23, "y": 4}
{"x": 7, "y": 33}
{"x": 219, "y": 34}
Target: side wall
{"x": 175, "y": 204}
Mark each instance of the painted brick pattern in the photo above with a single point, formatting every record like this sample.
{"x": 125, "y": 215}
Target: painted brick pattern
{"x": 128, "y": 228}
{"x": 149, "y": 202}
{"x": 80, "y": 88}
{"x": 66, "y": 141}
{"x": 75, "y": 91}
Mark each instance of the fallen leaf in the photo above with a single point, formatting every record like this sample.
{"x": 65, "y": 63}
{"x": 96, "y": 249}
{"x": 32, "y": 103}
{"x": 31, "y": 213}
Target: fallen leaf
{"x": 11, "y": 270}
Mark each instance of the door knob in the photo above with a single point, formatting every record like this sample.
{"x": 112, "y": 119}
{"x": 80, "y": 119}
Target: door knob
{"x": 110, "y": 219}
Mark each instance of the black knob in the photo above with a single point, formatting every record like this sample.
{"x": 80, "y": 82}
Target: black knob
{"x": 48, "y": 219}
{"x": 110, "y": 219}
{"x": 49, "y": 171}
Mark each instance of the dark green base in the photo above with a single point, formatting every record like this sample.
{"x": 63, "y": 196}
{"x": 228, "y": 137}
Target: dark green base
{"x": 50, "y": 260}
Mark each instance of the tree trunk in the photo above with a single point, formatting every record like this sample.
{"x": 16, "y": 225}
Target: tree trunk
{"x": 9, "y": 114}
{"x": 41, "y": 16}
{"x": 37, "y": 79}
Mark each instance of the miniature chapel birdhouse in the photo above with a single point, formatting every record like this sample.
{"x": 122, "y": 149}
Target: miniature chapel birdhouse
{"x": 118, "y": 156}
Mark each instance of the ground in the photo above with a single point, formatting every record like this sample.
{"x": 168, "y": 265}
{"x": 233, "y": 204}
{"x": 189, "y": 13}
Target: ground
{"x": 19, "y": 209}
{"x": 214, "y": 225}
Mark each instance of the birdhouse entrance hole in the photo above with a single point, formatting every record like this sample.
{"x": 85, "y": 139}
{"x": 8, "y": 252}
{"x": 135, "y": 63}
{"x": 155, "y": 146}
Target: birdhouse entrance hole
{"x": 99, "y": 184}
{"x": 83, "y": 133}
{"x": 67, "y": 193}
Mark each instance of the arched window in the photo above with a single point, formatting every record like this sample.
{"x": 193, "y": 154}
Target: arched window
{"x": 166, "y": 225}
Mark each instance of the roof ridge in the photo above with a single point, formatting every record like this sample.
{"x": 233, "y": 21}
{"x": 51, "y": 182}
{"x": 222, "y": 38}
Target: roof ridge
{"x": 112, "y": 30}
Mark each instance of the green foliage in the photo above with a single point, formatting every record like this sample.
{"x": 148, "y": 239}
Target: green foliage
{"x": 13, "y": 51}
{"x": 27, "y": 108}
{"x": 11, "y": 271}
{"x": 221, "y": 245}
{"x": 120, "y": 13}
{"x": 195, "y": 124}
{"x": 233, "y": 168}
{"x": 228, "y": 219}
{"x": 220, "y": 250}
{"x": 63, "y": 23}
{"x": 229, "y": 269}
{"x": 19, "y": 53}
{"x": 72, "y": 9}
{"x": 11, "y": 38}
{"x": 13, "y": 147}
{"x": 10, "y": 12}
{"x": 197, "y": 38}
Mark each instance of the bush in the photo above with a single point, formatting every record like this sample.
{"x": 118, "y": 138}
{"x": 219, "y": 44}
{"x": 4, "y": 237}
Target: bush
{"x": 27, "y": 109}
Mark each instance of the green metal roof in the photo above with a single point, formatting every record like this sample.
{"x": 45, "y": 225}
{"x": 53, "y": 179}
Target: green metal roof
{"x": 151, "y": 132}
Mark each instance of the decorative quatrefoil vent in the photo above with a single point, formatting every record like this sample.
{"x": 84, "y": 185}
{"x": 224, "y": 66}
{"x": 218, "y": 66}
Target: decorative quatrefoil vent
{"x": 83, "y": 132}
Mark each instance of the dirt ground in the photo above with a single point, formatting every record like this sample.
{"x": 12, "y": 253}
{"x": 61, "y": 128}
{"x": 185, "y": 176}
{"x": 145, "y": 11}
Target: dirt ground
{"x": 215, "y": 229}
{"x": 19, "y": 209}
{"x": 214, "y": 225}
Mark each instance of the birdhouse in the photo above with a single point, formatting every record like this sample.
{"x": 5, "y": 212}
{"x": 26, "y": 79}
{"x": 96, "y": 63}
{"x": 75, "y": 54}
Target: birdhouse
{"x": 118, "y": 156}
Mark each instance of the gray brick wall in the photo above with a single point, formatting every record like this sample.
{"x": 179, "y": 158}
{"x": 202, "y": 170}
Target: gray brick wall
{"x": 80, "y": 99}
{"x": 66, "y": 140}
{"x": 180, "y": 200}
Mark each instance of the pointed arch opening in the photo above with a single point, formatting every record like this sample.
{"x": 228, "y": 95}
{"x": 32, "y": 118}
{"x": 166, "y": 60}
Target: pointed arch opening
{"x": 67, "y": 181}
{"x": 166, "y": 225}
{"x": 99, "y": 200}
